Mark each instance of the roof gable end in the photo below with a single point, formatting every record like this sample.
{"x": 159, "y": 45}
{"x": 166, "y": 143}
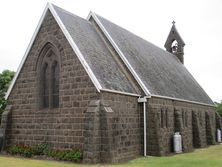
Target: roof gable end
{"x": 50, "y": 7}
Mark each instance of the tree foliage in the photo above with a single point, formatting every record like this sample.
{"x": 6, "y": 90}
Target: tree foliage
{"x": 5, "y": 79}
{"x": 219, "y": 108}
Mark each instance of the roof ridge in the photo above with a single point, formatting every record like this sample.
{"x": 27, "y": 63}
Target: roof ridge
{"x": 132, "y": 33}
{"x": 66, "y": 11}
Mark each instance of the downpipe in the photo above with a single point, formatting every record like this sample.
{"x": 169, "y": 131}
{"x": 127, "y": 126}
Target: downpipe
{"x": 144, "y": 100}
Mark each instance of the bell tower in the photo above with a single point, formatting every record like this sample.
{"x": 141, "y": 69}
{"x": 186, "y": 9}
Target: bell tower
{"x": 175, "y": 44}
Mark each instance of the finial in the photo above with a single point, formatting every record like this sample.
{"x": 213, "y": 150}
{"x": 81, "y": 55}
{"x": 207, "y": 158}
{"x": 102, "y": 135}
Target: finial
{"x": 173, "y": 22}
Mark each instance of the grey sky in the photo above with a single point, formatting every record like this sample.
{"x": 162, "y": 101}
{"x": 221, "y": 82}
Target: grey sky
{"x": 199, "y": 22}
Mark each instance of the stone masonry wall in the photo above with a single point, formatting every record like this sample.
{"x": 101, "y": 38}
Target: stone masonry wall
{"x": 121, "y": 130}
{"x": 210, "y": 127}
{"x": 92, "y": 134}
{"x": 160, "y": 126}
{"x": 63, "y": 127}
{"x": 165, "y": 117}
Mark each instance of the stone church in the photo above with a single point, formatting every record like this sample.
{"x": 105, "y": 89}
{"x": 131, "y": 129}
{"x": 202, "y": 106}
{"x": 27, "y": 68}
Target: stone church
{"x": 90, "y": 84}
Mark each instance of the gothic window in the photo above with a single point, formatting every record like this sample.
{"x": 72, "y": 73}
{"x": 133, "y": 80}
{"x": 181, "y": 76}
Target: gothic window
{"x": 49, "y": 78}
{"x": 45, "y": 86}
{"x": 55, "y": 84}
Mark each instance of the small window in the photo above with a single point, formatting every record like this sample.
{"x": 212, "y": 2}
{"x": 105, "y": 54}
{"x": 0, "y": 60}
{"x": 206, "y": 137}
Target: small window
{"x": 200, "y": 118}
{"x": 166, "y": 112}
{"x": 186, "y": 119}
{"x": 164, "y": 118}
{"x": 183, "y": 117}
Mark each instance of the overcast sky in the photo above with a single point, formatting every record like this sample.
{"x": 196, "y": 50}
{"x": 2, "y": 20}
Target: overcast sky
{"x": 199, "y": 23}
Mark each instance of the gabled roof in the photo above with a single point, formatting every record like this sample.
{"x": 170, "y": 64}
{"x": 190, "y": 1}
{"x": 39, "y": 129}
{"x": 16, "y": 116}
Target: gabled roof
{"x": 157, "y": 72}
{"x": 89, "y": 48}
{"x": 160, "y": 71}
{"x": 99, "y": 59}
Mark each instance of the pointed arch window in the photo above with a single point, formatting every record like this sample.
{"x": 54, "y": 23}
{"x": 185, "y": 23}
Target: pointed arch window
{"x": 49, "y": 78}
{"x": 45, "y": 86}
{"x": 55, "y": 84}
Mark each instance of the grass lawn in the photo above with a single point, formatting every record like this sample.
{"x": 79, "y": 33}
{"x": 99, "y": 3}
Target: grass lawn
{"x": 207, "y": 157}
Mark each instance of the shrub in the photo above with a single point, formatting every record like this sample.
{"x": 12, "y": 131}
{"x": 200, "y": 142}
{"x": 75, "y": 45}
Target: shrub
{"x": 14, "y": 150}
{"x": 51, "y": 153}
{"x": 66, "y": 155}
{"x": 43, "y": 149}
{"x": 20, "y": 150}
{"x": 27, "y": 152}
{"x": 40, "y": 149}
{"x": 71, "y": 155}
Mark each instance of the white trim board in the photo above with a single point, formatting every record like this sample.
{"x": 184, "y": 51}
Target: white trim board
{"x": 182, "y": 100}
{"x": 137, "y": 78}
{"x": 76, "y": 49}
{"x": 157, "y": 96}
{"x": 120, "y": 92}
{"x": 71, "y": 42}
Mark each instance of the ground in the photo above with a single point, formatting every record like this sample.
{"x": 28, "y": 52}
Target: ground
{"x": 207, "y": 157}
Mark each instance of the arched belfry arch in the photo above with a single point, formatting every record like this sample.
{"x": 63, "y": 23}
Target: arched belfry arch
{"x": 48, "y": 70}
{"x": 174, "y": 47}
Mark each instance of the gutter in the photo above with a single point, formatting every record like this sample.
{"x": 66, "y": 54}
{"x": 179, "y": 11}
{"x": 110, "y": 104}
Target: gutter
{"x": 144, "y": 100}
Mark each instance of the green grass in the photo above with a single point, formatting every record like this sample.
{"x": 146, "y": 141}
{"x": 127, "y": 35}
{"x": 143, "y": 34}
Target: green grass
{"x": 207, "y": 157}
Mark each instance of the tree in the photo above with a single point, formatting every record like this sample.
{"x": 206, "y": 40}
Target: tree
{"x": 5, "y": 78}
{"x": 219, "y": 108}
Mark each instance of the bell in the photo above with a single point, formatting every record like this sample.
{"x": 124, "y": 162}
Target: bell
{"x": 174, "y": 49}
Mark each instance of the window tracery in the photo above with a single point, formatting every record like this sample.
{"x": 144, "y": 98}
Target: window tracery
{"x": 49, "y": 78}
